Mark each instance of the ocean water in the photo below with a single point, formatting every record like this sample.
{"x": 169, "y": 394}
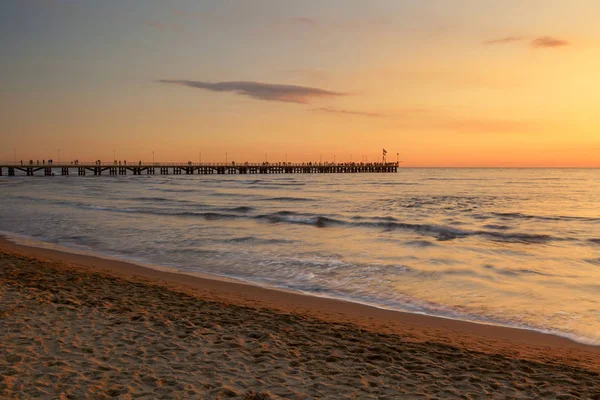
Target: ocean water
{"x": 513, "y": 247}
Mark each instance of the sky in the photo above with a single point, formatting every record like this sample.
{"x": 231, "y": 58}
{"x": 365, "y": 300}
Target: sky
{"x": 461, "y": 83}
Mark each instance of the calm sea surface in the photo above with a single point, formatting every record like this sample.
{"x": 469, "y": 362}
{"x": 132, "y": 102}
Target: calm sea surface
{"x": 504, "y": 246}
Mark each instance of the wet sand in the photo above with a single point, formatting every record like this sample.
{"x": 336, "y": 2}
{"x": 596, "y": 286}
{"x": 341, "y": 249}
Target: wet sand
{"x": 74, "y": 326}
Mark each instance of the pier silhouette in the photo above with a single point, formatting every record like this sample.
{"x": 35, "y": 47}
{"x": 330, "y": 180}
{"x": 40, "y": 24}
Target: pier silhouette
{"x": 97, "y": 168}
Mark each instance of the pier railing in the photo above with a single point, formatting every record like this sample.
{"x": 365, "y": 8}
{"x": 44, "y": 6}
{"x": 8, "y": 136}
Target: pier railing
{"x": 181, "y": 164}
{"x": 51, "y": 168}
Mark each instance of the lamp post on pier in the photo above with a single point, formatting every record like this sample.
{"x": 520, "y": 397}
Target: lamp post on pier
{"x": 152, "y": 157}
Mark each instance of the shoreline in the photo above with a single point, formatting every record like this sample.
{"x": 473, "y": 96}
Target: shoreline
{"x": 522, "y": 343}
{"x": 85, "y": 327}
{"x": 27, "y": 242}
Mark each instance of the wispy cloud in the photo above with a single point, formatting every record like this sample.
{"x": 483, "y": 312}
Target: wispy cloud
{"x": 507, "y": 39}
{"x": 262, "y": 91}
{"x": 548, "y": 41}
{"x": 347, "y": 112}
{"x": 539, "y": 42}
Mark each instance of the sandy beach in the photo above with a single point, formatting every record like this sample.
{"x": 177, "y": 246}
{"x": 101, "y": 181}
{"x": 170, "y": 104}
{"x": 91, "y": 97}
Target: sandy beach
{"x": 76, "y": 326}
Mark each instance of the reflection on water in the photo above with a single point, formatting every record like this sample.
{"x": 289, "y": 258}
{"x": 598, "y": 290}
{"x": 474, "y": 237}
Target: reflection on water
{"x": 513, "y": 247}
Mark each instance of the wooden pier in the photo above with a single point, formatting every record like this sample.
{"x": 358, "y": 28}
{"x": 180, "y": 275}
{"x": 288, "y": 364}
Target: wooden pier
{"x": 98, "y": 168}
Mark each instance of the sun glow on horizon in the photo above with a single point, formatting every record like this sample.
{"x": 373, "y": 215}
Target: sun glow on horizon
{"x": 474, "y": 84}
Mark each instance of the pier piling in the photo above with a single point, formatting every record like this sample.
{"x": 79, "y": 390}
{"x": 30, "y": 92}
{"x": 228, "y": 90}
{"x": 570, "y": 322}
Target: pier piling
{"x": 201, "y": 168}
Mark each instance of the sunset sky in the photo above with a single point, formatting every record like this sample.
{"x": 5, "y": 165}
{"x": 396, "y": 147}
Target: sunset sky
{"x": 443, "y": 83}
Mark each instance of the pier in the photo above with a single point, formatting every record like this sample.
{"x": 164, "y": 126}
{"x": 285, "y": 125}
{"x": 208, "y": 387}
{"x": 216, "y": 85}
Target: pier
{"x": 140, "y": 168}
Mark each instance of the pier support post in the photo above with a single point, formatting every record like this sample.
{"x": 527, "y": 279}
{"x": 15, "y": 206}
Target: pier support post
{"x": 204, "y": 169}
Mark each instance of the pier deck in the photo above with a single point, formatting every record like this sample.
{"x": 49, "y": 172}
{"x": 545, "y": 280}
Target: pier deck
{"x": 82, "y": 169}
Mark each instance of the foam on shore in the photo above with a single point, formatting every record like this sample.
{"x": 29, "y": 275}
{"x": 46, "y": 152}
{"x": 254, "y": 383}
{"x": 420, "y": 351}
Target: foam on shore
{"x": 32, "y": 243}
{"x": 77, "y": 326}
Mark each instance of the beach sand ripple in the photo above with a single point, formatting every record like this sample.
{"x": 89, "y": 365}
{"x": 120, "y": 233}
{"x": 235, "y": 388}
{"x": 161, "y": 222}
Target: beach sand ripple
{"x": 71, "y": 334}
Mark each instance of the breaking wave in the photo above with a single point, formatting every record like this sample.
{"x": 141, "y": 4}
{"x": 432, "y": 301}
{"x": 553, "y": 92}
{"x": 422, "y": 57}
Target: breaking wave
{"x": 517, "y": 215}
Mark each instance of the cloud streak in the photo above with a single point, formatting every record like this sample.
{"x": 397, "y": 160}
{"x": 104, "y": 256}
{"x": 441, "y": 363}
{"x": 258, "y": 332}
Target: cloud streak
{"x": 548, "y": 41}
{"x": 539, "y": 42}
{"x": 504, "y": 40}
{"x": 347, "y": 112}
{"x": 262, "y": 91}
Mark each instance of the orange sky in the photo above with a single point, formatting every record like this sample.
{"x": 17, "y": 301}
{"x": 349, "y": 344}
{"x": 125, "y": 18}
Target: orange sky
{"x": 462, "y": 83}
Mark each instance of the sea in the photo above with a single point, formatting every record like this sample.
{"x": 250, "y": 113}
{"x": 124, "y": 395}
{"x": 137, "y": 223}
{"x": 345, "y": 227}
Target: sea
{"x": 509, "y": 247}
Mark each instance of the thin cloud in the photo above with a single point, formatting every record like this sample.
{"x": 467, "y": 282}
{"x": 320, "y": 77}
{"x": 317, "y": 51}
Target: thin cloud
{"x": 348, "y": 112}
{"x": 504, "y": 40}
{"x": 539, "y": 42}
{"x": 548, "y": 42}
{"x": 262, "y": 91}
